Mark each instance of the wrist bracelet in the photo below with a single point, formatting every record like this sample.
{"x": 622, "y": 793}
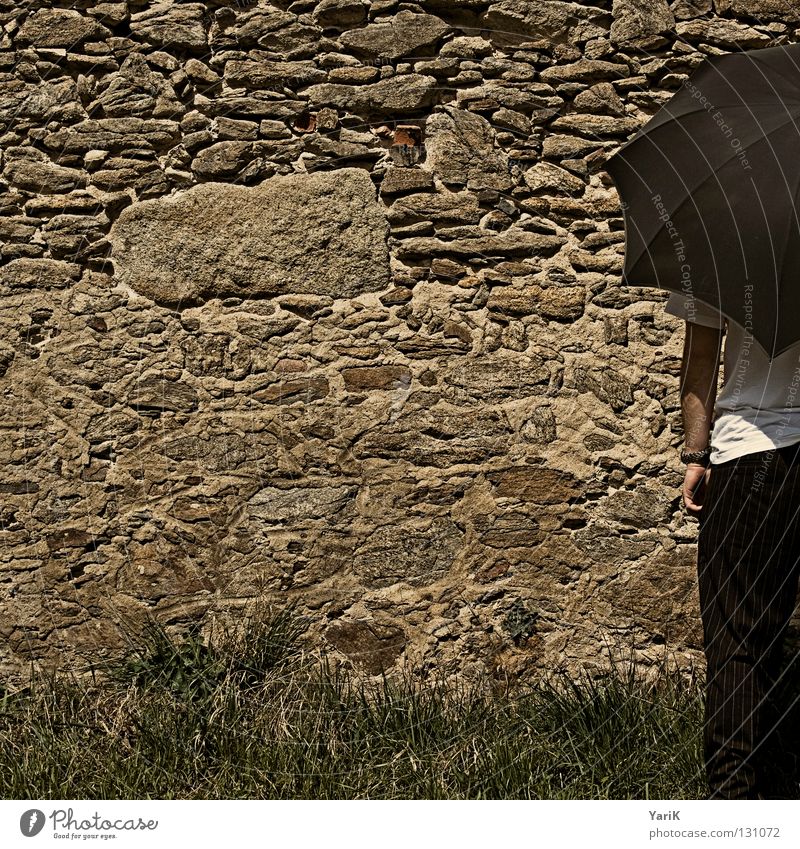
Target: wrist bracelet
{"x": 702, "y": 458}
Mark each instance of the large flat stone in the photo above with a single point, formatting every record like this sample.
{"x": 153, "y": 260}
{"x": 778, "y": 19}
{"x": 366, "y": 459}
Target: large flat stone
{"x": 60, "y": 28}
{"x": 299, "y": 233}
{"x": 409, "y": 553}
{"x": 113, "y": 134}
{"x": 461, "y": 151}
{"x": 171, "y": 25}
{"x": 31, "y": 169}
{"x": 551, "y": 19}
{"x": 440, "y": 437}
{"x": 763, "y": 11}
{"x": 394, "y": 95}
{"x": 38, "y": 273}
{"x": 405, "y": 34}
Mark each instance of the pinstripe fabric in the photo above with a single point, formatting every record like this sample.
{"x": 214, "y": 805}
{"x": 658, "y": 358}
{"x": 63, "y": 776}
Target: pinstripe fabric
{"x": 748, "y": 563}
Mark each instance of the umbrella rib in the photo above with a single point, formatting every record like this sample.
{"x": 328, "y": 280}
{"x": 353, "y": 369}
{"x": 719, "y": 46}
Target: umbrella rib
{"x": 692, "y": 189}
{"x": 703, "y": 301}
{"x": 695, "y": 106}
{"x": 700, "y": 108}
{"x": 783, "y": 255}
{"x": 756, "y": 59}
{"x": 776, "y": 265}
{"x": 773, "y": 70}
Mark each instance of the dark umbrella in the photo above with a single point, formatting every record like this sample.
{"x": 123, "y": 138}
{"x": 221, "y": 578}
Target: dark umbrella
{"x": 709, "y": 187}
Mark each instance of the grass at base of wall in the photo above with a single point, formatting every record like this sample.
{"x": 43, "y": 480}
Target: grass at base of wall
{"x": 247, "y": 718}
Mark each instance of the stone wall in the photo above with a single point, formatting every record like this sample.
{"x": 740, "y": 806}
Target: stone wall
{"x": 319, "y": 301}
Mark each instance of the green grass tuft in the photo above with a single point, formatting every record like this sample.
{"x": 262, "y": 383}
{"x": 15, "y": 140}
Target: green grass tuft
{"x": 246, "y": 715}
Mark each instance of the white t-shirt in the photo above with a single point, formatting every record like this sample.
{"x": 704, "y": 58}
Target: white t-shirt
{"x": 758, "y": 406}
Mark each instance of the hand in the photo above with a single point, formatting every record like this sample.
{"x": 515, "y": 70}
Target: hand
{"x": 695, "y": 482}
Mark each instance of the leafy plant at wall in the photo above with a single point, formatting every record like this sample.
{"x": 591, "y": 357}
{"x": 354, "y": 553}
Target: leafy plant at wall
{"x": 192, "y": 668}
{"x": 186, "y": 666}
{"x": 520, "y": 621}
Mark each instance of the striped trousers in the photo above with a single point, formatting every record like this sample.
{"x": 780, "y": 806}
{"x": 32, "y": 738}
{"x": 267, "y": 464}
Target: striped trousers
{"x": 748, "y": 560}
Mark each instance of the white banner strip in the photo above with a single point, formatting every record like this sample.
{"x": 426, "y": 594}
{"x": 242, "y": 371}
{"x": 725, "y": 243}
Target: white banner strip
{"x": 389, "y": 824}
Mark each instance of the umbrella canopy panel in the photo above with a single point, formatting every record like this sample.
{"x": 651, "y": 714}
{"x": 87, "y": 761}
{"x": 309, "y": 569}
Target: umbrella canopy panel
{"x": 709, "y": 188}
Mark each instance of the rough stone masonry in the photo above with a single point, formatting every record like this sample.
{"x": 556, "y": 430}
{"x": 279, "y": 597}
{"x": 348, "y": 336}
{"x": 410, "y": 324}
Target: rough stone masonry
{"x": 318, "y": 301}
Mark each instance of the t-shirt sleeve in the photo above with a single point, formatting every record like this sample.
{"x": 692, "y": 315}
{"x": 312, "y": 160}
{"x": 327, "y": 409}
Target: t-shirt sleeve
{"x": 694, "y": 311}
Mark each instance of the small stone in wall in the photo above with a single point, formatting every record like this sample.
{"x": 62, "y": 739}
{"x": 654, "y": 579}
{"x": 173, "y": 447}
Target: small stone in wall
{"x": 439, "y": 437}
{"x": 157, "y": 393}
{"x": 683, "y": 9}
{"x": 540, "y": 428}
{"x": 269, "y": 28}
{"x": 361, "y": 378}
{"x": 399, "y": 180}
{"x": 636, "y": 20}
{"x": 201, "y": 73}
{"x": 111, "y": 13}
{"x": 441, "y": 207}
{"x": 42, "y": 102}
{"x": 270, "y": 74}
{"x": 230, "y": 129}
{"x": 510, "y": 119}
{"x": 137, "y": 90}
{"x": 607, "y": 386}
{"x": 585, "y": 70}
{"x": 549, "y": 177}
{"x": 69, "y": 236}
{"x": 495, "y": 378}
{"x": 355, "y": 76}
{"x": 512, "y": 242}
{"x": 113, "y": 134}
{"x": 602, "y": 99}
{"x": 600, "y": 542}
{"x": 615, "y": 330}
{"x": 647, "y": 506}
{"x": 447, "y": 270}
{"x": 535, "y": 484}
{"x": 223, "y": 159}
{"x": 466, "y": 47}
{"x": 596, "y": 125}
{"x": 275, "y": 505}
{"x": 415, "y": 552}
{"x": 340, "y": 13}
{"x": 561, "y": 146}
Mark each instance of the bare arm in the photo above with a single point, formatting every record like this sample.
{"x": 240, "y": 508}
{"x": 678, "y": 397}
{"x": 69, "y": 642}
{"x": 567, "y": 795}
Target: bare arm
{"x": 698, "y": 388}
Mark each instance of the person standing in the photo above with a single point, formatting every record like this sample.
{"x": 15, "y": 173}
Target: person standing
{"x": 742, "y": 482}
